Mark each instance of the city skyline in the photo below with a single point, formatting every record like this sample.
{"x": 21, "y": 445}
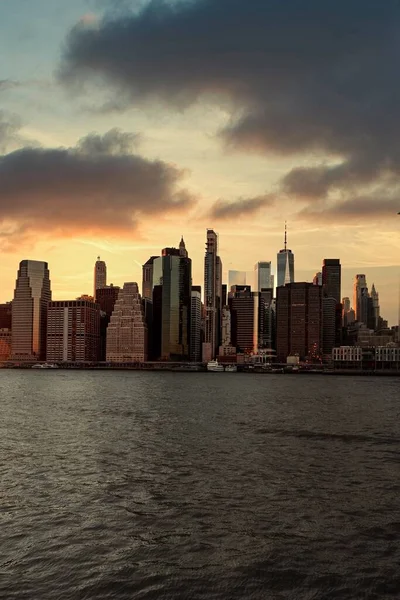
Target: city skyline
{"x": 108, "y": 166}
{"x": 377, "y": 276}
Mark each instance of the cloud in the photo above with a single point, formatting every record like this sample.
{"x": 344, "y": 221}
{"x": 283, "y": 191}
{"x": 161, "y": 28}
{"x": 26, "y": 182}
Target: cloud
{"x": 375, "y": 207}
{"x": 8, "y": 84}
{"x": 310, "y": 77}
{"x": 9, "y": 130}
{"x": 243, "y": 207}
{"x": 97, "y": 187}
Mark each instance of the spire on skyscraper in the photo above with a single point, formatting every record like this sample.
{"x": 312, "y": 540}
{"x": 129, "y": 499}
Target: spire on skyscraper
{"x": 285, "y": 235}
{"x": 182, "y": 248}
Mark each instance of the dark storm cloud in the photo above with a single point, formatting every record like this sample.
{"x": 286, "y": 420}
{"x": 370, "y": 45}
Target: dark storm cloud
{"x": 306, "y": 76}
{"x": 223, "y": 210}
{"x": 382, "y": 205}
{"x": 96, "y": 187}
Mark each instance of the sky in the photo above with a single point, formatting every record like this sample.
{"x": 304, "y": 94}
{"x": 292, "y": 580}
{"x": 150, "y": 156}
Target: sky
{"x": 125, "y": 124}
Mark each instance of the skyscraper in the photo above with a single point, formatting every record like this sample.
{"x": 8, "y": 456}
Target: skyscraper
{"x": 236, "y": 278}
{"x": 29, "y": 311}
{"x": 332, "y": 278}
{"x": 360, "y": 298}
{"x": 299, "y": 321}
{"x": 147, "y": 281}
{"x": 195, "y": 326}
{"x": 285, "y": 270}
{"x": 100, "y": 276}
{"x": 106, "y": 299}
{"x": 264, "y": 279}
{"x": 73, "y": 331}
{"x": 127, "y": 330}
{"x": 212, "y": 296}
{"x": 375, "y": 306}
{"x": 173, "y": 272}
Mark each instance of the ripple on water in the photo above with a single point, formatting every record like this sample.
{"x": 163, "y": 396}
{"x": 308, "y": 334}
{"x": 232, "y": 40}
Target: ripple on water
{"x": 175, "y": 486}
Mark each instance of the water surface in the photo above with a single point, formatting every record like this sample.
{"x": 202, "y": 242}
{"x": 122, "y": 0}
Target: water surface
{"x": 132, "y": 485}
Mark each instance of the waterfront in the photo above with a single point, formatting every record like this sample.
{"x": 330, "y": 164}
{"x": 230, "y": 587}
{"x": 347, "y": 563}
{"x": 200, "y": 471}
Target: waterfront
{"x": 168, "y": 485}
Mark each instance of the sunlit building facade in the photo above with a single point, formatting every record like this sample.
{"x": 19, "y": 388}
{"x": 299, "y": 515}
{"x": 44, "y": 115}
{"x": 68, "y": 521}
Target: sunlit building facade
{"x": 127, "y": 330}
{"x": 73, "y": 331}
{"x": 29, "y": 311}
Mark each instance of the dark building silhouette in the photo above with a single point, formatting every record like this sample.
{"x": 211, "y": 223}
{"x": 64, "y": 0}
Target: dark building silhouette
{"x": 5, "y": 315}
{"x": 331, "y": 286}
{"x": 248, "y": 318}
{"x": 172, "y": 272}
{"x": 332, "y": 278}
{"x": 299, "y": 321}
{"x": 147, "y": 279}
{"x": 106, "y": 299}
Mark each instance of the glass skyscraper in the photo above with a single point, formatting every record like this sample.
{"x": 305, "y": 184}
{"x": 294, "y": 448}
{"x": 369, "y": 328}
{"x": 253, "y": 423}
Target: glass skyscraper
{"x": 172, "y": 278}
{"x": 29, "y": 311}
{"x": 285, "y": 266}
{"x": 263, "y": 278}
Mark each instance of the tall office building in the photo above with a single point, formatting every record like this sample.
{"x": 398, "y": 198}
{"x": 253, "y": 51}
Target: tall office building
{"x": 329, "y": 334}
{"x": 375, "y": 307}
{"x": 147, "y": 281}
{"x": 212, "y": 296}
{"x": 29, "y": 311}
{"x": 236, "y": 278}
{"x": 360, "y": 298}
{"x": 263, "y": 278}
{"x": 195, "y": 326}
{"x": 100, "y": 276}
{"x": 73, "y": 331}
{"x": 247, "y": 311}
{"x": 127, "y": 330}
{"x": 299, "y": 321}
{"x": 348, "y": 315}
{"x": 285, "y": 270}
{"x": 173, "y": 273}
{"x": 332, "y": 278}
{"x": 106, "y": 299}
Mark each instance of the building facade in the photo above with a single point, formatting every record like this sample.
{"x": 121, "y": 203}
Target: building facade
{"x": 285, "y": 264}
{"x": 299, "y": 321}
{"x": 332, "y": 278}
{"x": 100, "y": 276}
{"x": 73, "y": 331}
{"x": 212, "y": 297}
{"x": 360, "y": 298}
{"x": 106, "y": 299}
{"x": 263, "y": 278}
{"x": 172, "y": 274}
{"x": 195, "y": 326}
{"x": 147, "y": 279}
{"x": 29, "y": 311}
{"x": 127, "y": 330}
{"x": 236, "y": 278}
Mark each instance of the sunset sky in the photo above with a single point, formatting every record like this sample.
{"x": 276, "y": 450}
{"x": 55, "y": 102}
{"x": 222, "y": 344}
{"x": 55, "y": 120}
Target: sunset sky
{"x": 124, "y": 124}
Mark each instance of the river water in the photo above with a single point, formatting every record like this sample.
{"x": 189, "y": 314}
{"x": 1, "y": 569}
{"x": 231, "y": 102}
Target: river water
{"x": 130, "y": 485}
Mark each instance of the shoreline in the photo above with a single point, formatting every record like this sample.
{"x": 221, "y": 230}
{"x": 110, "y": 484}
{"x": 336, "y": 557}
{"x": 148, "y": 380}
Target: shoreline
{"x": 202, "y": 369}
